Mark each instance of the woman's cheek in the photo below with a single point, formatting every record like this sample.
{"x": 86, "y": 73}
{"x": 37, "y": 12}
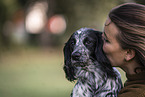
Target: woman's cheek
{"x": 105, "y": 48}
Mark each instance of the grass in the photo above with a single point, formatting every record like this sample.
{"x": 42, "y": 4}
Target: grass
{"x": 34, "y": 73}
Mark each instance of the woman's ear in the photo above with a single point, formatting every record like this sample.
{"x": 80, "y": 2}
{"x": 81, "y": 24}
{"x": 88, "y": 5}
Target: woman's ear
{"x": 130, "y": 54}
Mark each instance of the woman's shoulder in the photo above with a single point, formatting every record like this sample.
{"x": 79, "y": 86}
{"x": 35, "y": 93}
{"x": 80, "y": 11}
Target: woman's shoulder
{"x": 135, "y": 90}
{"x": 134, "y": 86}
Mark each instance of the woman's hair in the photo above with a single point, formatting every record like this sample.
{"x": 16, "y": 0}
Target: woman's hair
{"x": 130, "y": 19}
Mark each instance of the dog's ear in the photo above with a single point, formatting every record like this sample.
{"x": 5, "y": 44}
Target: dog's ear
{"x": 68, "y": 68}
{"x": 101, "y": 57}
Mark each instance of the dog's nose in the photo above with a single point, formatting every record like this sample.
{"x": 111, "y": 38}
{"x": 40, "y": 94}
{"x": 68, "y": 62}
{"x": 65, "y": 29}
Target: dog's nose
{"x": 76, "y": 56}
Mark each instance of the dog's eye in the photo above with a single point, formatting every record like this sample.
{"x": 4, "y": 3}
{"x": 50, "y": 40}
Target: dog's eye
{"x": 72, "y": 43}
{"x": 88, "y": 42}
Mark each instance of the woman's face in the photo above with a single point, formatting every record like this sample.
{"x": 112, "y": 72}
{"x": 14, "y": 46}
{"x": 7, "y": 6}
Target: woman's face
{"x": 111, "y": 46}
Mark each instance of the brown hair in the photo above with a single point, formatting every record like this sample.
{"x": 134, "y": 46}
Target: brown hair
{"x": 130, "y": 19}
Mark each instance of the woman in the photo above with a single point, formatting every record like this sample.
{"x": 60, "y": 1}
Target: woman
{"x": 124, "y": 45}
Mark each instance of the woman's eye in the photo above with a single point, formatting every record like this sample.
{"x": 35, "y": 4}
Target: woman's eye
{"x": 106, "y": 40}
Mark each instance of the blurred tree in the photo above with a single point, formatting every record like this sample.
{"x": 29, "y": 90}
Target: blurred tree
{"x": 3, "y": 17}
{"x": 7, "y": 9}
{"x": 84, "y": 13}
{"x": 80, "y": 13}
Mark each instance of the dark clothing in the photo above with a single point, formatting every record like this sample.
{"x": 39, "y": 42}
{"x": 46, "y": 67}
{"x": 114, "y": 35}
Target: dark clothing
{"x": 134, "y": 86}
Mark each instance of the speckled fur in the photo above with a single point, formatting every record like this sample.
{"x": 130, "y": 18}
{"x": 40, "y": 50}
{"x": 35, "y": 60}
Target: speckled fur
{"x": 86, "y": 63}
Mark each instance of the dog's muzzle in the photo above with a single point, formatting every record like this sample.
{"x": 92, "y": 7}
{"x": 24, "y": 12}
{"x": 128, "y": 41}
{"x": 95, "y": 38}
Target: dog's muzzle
{"x": 79, "y": 61}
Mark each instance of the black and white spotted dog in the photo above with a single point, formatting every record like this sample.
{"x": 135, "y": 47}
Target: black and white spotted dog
{"x": 86, "y": 62}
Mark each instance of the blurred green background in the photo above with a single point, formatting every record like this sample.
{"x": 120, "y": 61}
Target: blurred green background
{"x": 32, "y": 36}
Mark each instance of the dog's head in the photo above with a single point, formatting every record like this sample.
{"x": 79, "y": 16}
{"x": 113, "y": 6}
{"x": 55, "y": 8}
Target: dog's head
{"x": 83, "y": 45}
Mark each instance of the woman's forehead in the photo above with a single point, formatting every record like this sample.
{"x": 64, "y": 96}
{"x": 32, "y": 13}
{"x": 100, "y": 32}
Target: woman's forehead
{"x": 108, "y": 21}
{"x": 111, "y": 29}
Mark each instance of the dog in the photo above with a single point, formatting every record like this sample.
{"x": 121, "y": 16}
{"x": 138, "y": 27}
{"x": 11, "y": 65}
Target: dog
{"x": 85, "y": 61}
